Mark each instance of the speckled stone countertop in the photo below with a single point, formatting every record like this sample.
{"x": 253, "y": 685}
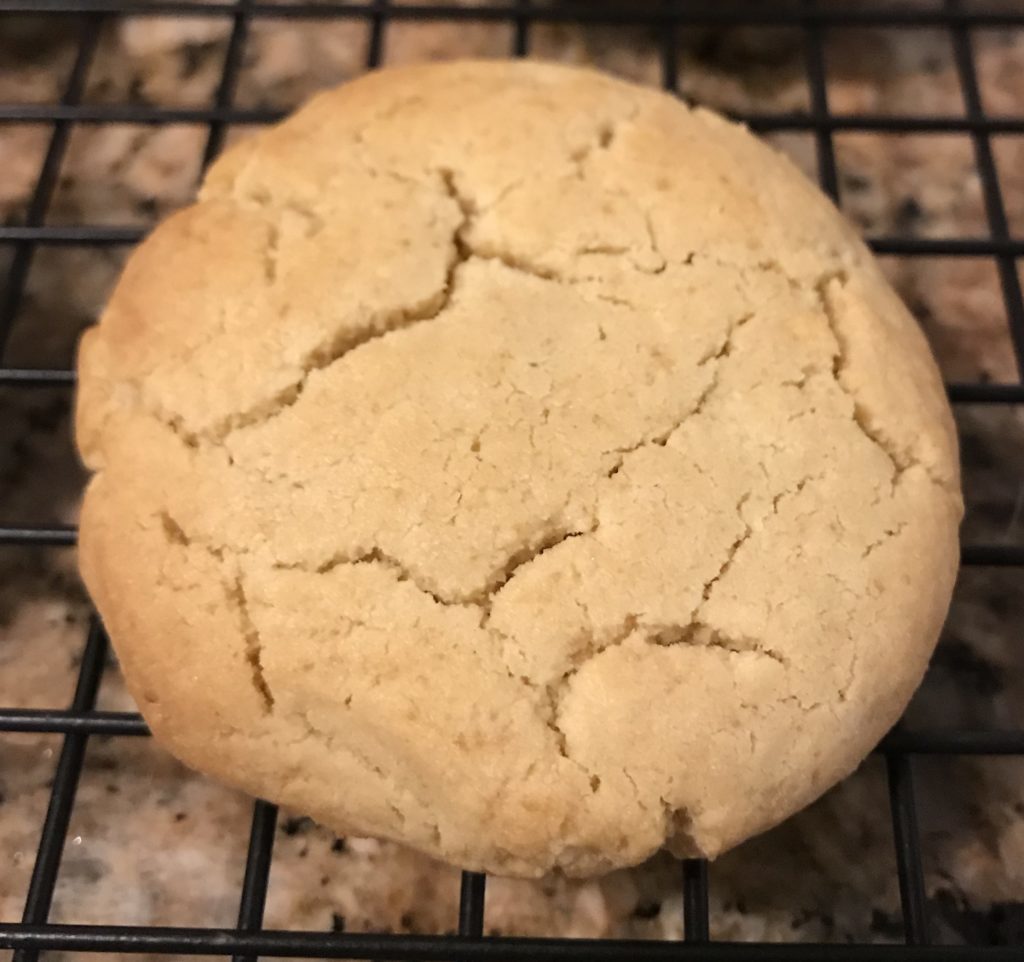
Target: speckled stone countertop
{"x": 151, "y": 843}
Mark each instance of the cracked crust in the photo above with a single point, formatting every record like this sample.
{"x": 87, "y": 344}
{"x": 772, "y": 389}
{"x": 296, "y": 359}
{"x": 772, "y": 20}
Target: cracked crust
{"x": 519, "y": 464}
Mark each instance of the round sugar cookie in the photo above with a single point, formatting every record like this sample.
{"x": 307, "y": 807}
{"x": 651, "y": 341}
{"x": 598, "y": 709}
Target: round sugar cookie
{"x": 519, "y": 464}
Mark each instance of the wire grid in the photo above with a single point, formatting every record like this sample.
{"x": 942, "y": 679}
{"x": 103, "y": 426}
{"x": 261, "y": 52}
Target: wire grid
{"x": 247, "y": 940}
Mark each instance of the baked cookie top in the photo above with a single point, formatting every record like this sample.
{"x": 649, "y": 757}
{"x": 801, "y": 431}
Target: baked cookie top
{"x": 520, "y": 464}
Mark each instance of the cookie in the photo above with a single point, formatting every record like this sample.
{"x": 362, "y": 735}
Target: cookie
{"x": 519, "y": 464}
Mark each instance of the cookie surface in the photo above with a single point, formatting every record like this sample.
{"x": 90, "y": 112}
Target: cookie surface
{"x": 519, "y": 464}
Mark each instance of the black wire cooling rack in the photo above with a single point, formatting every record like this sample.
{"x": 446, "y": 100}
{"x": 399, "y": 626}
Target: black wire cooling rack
{"x": 80, "y": 720}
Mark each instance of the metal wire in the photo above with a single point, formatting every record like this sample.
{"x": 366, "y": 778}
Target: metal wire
{"x": 905, "y": 246}
{"x": 375, "y": 45}
{"x": 995, "y": 209}
{"x": 908, "y": 848}
{"x": 521, "y": 29}
{"x": 257, "y": 872}
{"x": 62, "y": 797}
{"x": 46, "y": 183}
{"x": 181, "y": 941}
{"x": 947, "y": 742}
{"x": 696, "y": 924}
{"x": 471, "y": 903}
{"x": 667, "y": 49}
{"x": 225, "y": 95}
{"x": 670, "y": 18}
{"x": 764, "y": 122}
{"x": 814, "y": 53}
{"x": 987, "y": 555}
{"x": 708, "y": 13}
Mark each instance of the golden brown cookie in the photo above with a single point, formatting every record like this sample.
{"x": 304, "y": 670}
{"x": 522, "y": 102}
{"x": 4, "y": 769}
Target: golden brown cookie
{"x": 519, "y": 464}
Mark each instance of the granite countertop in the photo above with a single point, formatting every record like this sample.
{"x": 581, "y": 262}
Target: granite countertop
{"x": 151, "y": 843}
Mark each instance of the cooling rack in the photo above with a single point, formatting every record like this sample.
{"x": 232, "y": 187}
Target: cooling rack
{"x": 80, "y": 720}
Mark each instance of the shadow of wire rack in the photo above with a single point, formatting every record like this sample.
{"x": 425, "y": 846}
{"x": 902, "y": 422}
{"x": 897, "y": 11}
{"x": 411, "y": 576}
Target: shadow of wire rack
{"x": 812, "y": 19}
